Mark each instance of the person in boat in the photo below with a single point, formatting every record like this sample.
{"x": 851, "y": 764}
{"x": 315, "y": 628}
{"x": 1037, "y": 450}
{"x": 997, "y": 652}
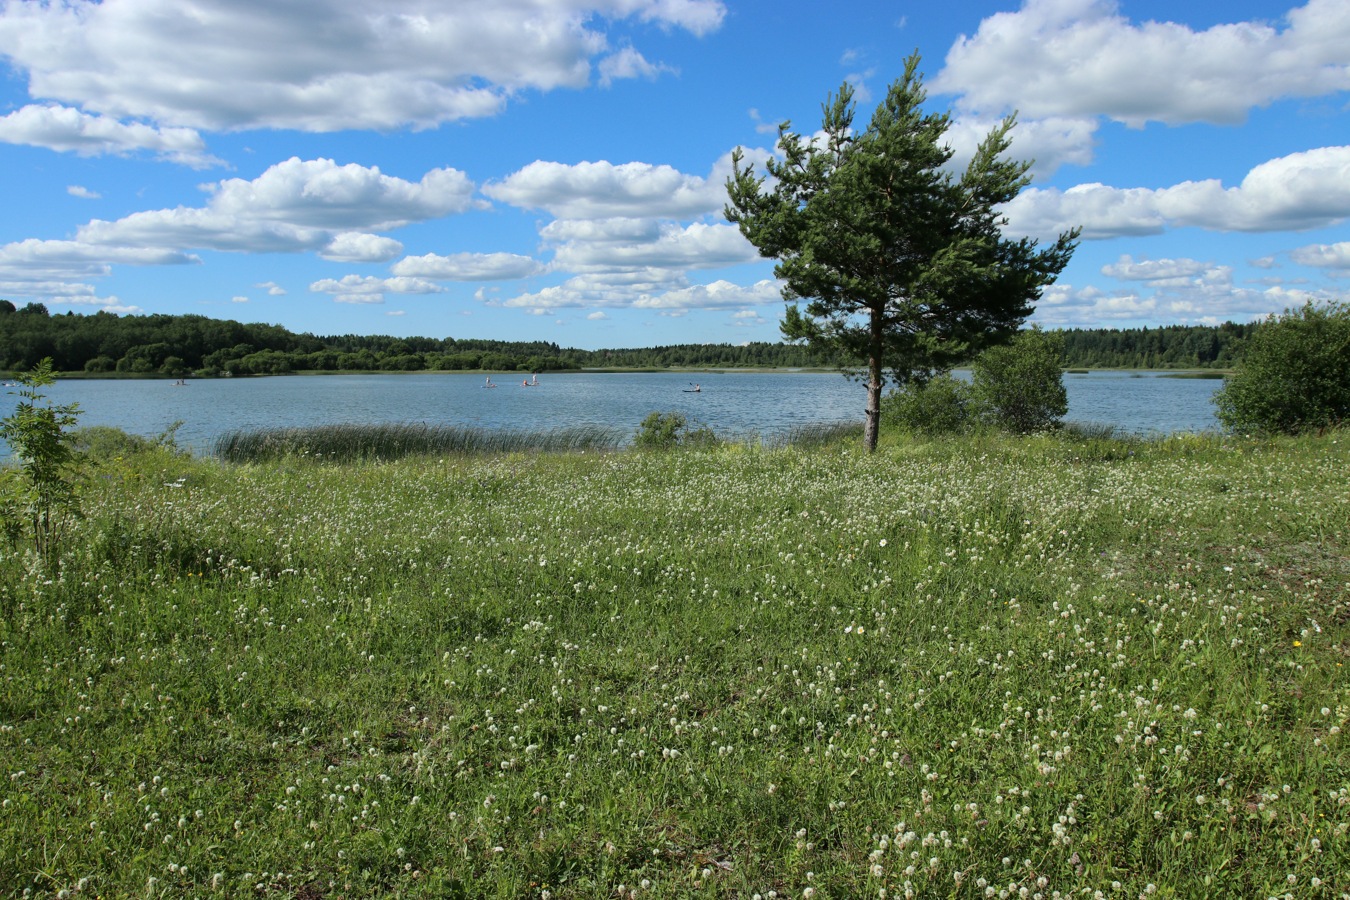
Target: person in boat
{"x": 534, "y": 381}
{"x": 488, "y": 383}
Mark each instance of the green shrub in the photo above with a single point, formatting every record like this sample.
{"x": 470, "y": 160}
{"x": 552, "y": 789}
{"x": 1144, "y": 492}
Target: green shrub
{"x": 665, "y": 431}
{"x": 1020, "y": 385}
{"x": 41, "y": 497}
{"x": 1294, "y": 375}
{"x": 104, "y": 442}
{"x": 941, "y": 405}
{"x": 659, "y": 431}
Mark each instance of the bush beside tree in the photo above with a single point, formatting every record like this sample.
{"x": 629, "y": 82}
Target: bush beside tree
{"x": 1294, "y": 376}
{"x": 1019, "y": 386}
{"x": 942, "y": 405}
{"x": 1016, "y": 387}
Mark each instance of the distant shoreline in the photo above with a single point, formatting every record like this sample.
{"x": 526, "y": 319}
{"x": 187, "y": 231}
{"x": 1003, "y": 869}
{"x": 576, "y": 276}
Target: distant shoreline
{"x": 608, "y": 370}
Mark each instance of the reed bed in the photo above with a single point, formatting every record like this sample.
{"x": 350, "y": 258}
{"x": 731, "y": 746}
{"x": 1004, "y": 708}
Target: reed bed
{"x": 345, "y": 443}
{"x": 382, "y": 443}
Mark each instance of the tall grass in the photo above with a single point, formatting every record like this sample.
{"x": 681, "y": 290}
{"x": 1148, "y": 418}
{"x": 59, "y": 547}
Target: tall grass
{"x": 817, "y": 436}
{"x": 384, "y": 443}
{"x": 357, "y": 443}
{"x": 986, "y": 668}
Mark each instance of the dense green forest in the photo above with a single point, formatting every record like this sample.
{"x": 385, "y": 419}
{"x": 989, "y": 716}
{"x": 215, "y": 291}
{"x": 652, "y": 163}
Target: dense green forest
{"x": 182, "y": 345}
{"x": 177, "y": 346}
{"x": 1166, "y": 347}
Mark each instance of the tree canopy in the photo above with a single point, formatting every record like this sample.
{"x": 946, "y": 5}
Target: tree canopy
{"x": 902, "y": 264}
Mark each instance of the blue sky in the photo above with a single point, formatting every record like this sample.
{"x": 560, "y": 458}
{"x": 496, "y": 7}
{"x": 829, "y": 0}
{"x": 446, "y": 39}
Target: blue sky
{"x": 554, "y": 169}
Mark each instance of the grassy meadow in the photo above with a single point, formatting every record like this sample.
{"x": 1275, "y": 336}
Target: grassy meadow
{"x": 1043, "y": 667}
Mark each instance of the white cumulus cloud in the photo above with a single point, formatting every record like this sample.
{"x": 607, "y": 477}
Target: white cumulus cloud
{"x": 1208, "y": 299}
{"x": 42, "y": 260}
{"x": 629, "y": 63}
{"x": 321, "y": 193}
{"x": 1335, "y": 257}
{"x": 54, "y": 271}
{"x": 717, "y": 295}
{"x": 322, "y": 65}
{"x": 295, "y": 206}
{"x": 598, "y": 190}
{"x": 1077, "y": 58}
{"x": 1299, "y": 191}
{"x": 355, "y": 246}
{"x": 695, "y": 246}
{"x": 469, "y": 266}
{"x": 354, "y": 285}
{"x": 65, "y": 129}
{"x": 1047, "y": 143}
{"x": 665, "y": 291}
{"x": 1127, "y": 268}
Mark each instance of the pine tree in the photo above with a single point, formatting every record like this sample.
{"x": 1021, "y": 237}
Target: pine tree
{"x": 902, "y": 264}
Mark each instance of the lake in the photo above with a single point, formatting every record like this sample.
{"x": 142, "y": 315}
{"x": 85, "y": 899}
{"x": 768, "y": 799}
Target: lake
{"x": 732, "y": 403}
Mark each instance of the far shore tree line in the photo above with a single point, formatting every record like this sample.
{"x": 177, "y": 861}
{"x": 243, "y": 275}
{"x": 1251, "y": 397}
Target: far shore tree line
{"x": 177, "y": 346}
{"x": 183, "y": 345}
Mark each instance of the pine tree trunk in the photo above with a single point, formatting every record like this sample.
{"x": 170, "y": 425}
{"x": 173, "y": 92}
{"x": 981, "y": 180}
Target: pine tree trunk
{"x": 873, "y": 423}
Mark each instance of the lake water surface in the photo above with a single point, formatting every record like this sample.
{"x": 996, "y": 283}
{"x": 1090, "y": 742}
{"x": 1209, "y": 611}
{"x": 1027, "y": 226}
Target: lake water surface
{"x": 731, "y": 403}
